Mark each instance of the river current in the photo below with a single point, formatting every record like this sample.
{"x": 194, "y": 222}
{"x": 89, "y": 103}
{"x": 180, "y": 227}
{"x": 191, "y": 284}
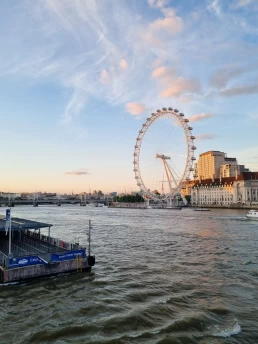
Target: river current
{"x": 161, "y": 276}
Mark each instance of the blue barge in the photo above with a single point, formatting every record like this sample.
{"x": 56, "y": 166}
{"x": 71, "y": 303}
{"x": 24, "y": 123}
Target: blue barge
{"x": 25, "y": 253}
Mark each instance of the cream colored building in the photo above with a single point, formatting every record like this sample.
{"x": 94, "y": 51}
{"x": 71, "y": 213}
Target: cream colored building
{"x": 212, "y": 194}
{"x": 226, "y": 191}
{"x": 246, "y": 191}
{"x": 208, "y": 166}
{"x": 213, "y": 164}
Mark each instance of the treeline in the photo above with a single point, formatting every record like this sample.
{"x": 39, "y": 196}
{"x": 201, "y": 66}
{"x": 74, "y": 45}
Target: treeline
{"x": 129, "y": 198}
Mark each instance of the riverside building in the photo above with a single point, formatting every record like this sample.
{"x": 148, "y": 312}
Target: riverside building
{"x": 213, "y": 164}
{"x": 241, "y": 189}
{"x": 208, "y": 166}
{"x": 228, "y": 170}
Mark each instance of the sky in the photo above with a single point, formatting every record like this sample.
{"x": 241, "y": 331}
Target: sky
{"x": 79, "y": 78}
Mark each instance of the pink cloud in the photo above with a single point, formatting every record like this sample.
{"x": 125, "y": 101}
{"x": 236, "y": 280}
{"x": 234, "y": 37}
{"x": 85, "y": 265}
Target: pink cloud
{"x": 199, "y": 117}
{"x": 180, "y": 86}
{"x": 174, "y": 86}
{"x": 157, "y": 63}
{"x": 104, "y": 76}
{"x": 170, "y": 25}
{"x": 163, "y": 72}
{"x": 173, "y": 25}
{"x": 135, "y": 108}
{"x": 123, "y": 64}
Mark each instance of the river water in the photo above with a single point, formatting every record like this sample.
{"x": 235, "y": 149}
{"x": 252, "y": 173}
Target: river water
{"x": 162, "y": 276}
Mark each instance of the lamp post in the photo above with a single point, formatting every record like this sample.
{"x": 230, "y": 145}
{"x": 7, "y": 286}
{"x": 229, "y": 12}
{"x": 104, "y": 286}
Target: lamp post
{"x": 8, "y": 227}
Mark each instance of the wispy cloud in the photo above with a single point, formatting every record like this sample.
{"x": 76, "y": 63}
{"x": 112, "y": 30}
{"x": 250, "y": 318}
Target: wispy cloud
{"x": 215, "y": 7}
{"x": 137, "y": 58}
{"x": 222, "y": 76}
{"x": 81, "y": 172}
{"x": 94, "y": 65}
{"x": 74, "y": 106}
{"x": 243, "y": 3}
{"x": 239, "y": 91}
{"x": 158, "y": 3}
{"x": 205, "y": 137}
{"x": 200, "y": 117}
{"x": 125, "y": 56}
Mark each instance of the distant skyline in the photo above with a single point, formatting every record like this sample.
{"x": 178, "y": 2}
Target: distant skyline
{"x": 78, "y": 79}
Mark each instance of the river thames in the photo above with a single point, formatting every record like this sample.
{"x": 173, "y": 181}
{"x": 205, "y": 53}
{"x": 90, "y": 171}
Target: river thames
{"x": 161, "y": 276}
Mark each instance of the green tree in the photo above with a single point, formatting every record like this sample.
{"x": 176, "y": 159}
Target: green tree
{"x": 188, "y": 198}
{"x": 129, "y": 198}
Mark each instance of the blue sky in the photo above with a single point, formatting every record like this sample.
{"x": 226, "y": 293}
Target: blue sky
{"x": 78, "y": 78}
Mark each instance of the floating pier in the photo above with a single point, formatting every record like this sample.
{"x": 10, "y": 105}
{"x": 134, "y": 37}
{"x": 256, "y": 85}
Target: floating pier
{"x": 25, "y": 253}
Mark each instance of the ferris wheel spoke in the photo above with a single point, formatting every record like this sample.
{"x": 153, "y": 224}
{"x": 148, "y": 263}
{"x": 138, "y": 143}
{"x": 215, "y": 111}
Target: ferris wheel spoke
{"x": 175, "y": 171}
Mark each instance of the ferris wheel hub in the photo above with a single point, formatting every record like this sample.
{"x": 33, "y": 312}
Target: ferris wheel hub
{"x": 162, "y": 156}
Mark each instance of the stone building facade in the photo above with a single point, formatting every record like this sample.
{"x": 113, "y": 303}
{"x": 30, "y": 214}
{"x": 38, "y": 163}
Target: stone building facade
{"x": 242, "y": 189}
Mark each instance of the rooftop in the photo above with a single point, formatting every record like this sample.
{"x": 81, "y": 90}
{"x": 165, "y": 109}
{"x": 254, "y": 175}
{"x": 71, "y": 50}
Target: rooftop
{"x": 212, "y": 153}
{"x": 22, "y": 224}
{"x": 244, "y": 176}
{"x": 230, "y": 159}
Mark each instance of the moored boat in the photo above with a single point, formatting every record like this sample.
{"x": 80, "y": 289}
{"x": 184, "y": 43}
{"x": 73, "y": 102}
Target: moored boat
{"x": 201, "y": 209}
{"x": 26, "y": 253}
{"x": 252, "y": 214}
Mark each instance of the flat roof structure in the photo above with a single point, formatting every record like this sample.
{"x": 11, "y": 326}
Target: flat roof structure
{"x": 26, "y": 253}
{"x": 22, "y": 224}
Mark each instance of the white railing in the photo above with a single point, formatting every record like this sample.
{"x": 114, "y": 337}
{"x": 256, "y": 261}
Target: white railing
{"x": 53, "y": 242}
{"x": 3, "y": 260}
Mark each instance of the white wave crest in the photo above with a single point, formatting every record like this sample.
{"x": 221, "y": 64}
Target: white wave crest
{"x": 225, "y": 333}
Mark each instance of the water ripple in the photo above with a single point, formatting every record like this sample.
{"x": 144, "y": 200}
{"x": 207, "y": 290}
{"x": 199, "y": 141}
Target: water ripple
{"x": 161, "y": 277}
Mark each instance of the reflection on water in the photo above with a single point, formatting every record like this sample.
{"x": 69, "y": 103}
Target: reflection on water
{"x": 162, "y": 276}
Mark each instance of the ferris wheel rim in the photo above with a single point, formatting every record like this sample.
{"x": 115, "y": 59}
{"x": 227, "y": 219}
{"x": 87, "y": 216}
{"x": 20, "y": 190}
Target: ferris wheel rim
{"x": 188, "y": 168}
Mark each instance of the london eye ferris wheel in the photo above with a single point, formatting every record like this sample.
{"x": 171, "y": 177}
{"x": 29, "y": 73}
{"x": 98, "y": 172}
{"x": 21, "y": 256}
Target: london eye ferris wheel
{"x": 164, "y": 155}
